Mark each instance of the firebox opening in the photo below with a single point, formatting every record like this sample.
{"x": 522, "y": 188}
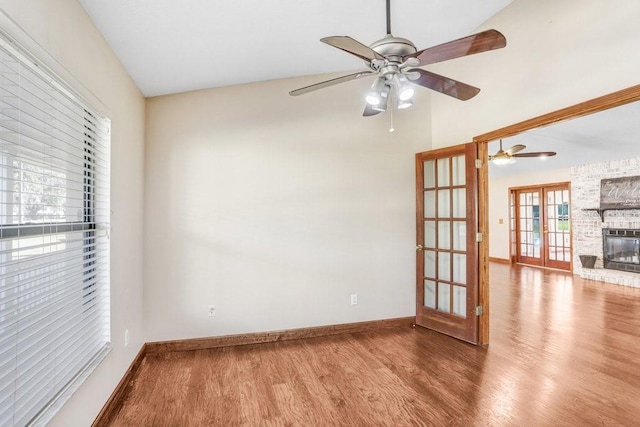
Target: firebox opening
{"x": 621, "y": 249}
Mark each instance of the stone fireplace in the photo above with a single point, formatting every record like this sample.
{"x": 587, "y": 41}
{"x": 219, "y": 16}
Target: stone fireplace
{"x": 621, "y": 249}
{"x": 590, "y": 223}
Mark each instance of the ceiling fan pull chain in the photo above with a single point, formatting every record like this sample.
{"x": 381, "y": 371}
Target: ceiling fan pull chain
{"x": 391, "y": 128}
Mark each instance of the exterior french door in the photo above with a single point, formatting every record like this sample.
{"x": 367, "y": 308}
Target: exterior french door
{"x": 541, "y": 226}
{"x": 447, "y": 249}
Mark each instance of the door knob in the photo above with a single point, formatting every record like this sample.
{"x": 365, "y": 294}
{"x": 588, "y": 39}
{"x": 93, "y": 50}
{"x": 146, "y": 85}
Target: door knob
{"x": 419, "y": 247}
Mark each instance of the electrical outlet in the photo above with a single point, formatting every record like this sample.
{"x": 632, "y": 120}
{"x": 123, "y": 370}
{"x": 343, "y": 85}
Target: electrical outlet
{"x": 126, "y": 338}
{"x": 354, "y": 299}
{"x": 212, "y": 311}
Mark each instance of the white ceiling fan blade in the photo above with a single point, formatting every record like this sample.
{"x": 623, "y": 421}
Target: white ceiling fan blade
{"x": 353, "y": 47}
{"x": 516, "y": 148}
{"x": 331, "y": 82}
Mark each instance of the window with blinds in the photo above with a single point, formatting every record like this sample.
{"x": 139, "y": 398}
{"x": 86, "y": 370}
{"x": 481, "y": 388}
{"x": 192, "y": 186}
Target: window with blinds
{"x": 54, "y": 247}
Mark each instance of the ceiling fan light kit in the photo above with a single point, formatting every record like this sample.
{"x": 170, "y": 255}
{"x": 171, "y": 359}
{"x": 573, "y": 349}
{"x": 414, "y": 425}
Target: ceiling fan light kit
{"x": 375, "y": 94}
{"x": 405, "y": 104}
{"x": 384, "y": 99}
{"x": 503, "y": 160}
{"x": 405, "y": 91}
{"x": 394, "y": 61}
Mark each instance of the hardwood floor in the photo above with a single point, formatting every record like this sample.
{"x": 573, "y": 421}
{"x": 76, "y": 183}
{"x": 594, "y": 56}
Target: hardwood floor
{"x": 564, "y": 351}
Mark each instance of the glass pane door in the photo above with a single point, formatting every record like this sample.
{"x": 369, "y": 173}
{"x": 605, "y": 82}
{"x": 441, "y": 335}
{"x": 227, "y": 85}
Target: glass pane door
{"x": 557, "y": 227}
{"x": 528, "y": 221}
{"x": 447, "y": 256}
{"x": 541, "y": 231}
{"x": 445, "y": 236}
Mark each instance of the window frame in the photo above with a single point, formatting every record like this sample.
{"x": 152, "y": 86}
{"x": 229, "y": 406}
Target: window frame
{"x": 94, "y": 231}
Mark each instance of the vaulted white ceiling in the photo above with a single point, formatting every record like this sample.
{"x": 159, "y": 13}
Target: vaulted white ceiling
{"x": 171, "y": 46}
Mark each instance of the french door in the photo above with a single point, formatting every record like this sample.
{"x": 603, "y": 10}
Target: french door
{"x": 541, "y": 229}
{"x": 447, "y": 248}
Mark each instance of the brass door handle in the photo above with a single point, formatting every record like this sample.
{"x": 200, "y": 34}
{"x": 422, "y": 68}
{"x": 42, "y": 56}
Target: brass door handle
{"x": 419, "y": 247}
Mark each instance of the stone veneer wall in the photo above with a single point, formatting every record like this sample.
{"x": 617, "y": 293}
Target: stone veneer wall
{"x": 587, "y": 226}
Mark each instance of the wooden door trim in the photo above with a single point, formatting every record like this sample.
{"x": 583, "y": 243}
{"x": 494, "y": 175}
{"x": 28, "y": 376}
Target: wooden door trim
{"x": 443, "y": 151}
{"x": 551, "y": 184}
{"x": 483, "y": 247}
{"x": 594, "y": 105}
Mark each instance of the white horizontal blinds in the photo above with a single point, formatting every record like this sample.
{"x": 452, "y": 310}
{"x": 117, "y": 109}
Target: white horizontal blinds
{"x": 54, "y": 249}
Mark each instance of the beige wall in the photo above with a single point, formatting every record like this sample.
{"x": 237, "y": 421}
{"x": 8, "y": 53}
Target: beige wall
{"x": 276, "y": 209}
{"x": 499, "y": 203}
{"x": 63, "y": 29}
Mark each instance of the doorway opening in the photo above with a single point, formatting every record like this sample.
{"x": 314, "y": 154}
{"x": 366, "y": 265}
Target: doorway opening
{"x": 540, "y": 225}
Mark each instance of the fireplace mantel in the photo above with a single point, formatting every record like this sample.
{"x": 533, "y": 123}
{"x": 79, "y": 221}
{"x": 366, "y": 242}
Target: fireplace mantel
{"x": 602, "y": 211}
{"x": 618, "y": 194}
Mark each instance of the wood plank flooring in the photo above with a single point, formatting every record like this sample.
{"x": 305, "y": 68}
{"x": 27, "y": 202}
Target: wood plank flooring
{"x": 563, "y": 352}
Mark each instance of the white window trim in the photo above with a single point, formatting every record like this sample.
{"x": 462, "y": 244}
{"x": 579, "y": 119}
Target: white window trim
{"x": 14, "y": 39}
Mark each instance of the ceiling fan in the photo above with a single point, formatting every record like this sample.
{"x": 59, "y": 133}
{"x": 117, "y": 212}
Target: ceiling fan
{"x": 503, "y": 157}
{"x": 394, "y": 61}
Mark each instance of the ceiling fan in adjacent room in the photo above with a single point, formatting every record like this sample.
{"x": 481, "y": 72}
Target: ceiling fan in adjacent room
{"x": 394, "y": 60}
{"x": 504, "y": 157}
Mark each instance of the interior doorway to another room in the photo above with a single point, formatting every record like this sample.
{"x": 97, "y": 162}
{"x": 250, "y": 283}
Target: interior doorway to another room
{"x": 540, "y": 227}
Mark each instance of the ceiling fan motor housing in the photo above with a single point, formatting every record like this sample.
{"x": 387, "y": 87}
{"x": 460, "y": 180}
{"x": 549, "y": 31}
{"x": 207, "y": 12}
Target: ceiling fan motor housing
{"x": 393, "y": 48}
